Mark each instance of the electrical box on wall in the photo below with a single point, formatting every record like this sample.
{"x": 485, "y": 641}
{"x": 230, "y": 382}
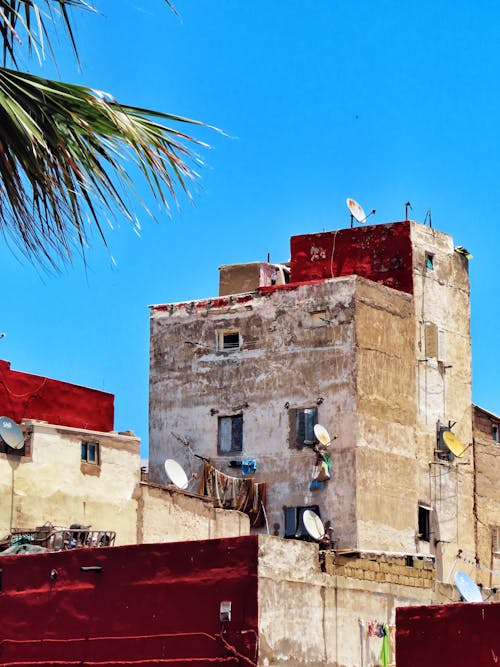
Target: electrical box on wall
{"x": 225, "y": 611}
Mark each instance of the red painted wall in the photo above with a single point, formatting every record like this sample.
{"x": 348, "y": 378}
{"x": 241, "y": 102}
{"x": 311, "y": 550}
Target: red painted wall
{"x": 155, "y": 604}
{"x": 382, "y": 253}
{"x": 26, "y": 396}
{"x": 462, "y": 635}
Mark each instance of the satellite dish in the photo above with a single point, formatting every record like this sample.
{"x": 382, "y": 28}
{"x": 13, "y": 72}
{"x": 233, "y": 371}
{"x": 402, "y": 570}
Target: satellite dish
{"x": 467, "y": 588}
{"x": 175, "y": 473}
{"x": 356, "y": 210}
{"x": 313, "y": 525}
{"x": 322, "y": 434}
{"x": 453, "y": 443}
{"x": 10, "y": 433}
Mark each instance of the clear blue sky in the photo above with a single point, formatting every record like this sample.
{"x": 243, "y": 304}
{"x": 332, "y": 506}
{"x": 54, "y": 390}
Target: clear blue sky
{"x": 381, "y": 101}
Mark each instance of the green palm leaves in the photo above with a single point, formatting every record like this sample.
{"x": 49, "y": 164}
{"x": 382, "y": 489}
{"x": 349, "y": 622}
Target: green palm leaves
{"x": 63, "y": 148}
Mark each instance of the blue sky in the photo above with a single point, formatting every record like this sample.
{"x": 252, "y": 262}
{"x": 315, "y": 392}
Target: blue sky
{"x": 384, "y": 102}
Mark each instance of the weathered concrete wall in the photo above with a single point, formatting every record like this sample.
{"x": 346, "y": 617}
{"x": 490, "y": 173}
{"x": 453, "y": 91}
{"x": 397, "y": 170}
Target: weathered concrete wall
{"x": 309, "y": 617}
{"x": 284, "y": 363}
{"x": 486, "y": 453}
{"x": 52, "y": 484}
{"x": 380, "y": 253}
{"x": 170, "y": 515}
{"x": 385, "y": 440}
{"x": 443, "y": 367}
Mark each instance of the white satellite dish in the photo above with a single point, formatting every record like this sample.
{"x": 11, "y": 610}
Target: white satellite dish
{"x": 10, "y": 433}
{"x": 175, "y": 473}
{"x": 313, "y": 525}
{"x": 356, "y": 210}
{"x": 467, "y": 588}
{"x": 322, "y": 434}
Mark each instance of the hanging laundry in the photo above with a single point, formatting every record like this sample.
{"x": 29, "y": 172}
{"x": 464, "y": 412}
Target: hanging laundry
{"x": 234, "y": 493}
{"x": 385, "y": 653}
{"x": 248, "y": 466}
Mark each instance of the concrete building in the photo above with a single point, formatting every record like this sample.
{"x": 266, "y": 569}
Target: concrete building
{"x": 486, "y": 453}
{"x": 74, "y": 468}
{"x": 370, "y": 338}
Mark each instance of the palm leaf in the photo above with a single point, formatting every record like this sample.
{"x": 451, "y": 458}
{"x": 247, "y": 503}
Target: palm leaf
{"x": 62, "y": 151}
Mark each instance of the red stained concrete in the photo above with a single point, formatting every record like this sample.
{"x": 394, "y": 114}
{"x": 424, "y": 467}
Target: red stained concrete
{"x": 461, "y": 635}
{"x": 382, "y": 253}
{"x": 154, "y": 604}
{"x": 26, "y": 396}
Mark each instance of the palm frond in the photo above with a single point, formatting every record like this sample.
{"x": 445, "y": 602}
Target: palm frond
{"x": 33, "y": 20}
{"x": 62, "y": 152}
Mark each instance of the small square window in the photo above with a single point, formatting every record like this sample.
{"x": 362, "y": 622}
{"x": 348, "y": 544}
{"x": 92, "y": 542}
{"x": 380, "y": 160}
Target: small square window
{"x": 429, "y": 260}
{"x": 424, "y": 523}
{"x": 494, "y": 432}
{"x": 228, "y": 340}
{"x": 302, "y": 423}
{"x": 230, "y": 438}
{"x": 318, "y": 319}
{"x": 90, "y": 453}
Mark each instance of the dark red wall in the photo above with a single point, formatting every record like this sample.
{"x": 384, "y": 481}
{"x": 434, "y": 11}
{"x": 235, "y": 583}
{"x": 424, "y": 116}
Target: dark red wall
{"x": 382, "y": 253}
{"x": 155, "y": 604}
{"x": 461, "y": 635}
{"x": 26, "y": 396}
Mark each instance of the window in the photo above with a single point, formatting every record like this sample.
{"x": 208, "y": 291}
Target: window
{"x": 228, "y": 340}
{"x": 424, "y": 524}
{"x": 318, "y": 319}
{"x": 90, "y": 453}
{"x": 494, "y": 432}
{"x": 230, "y": 434}
{"x": 302, "y": 422}
{"x": 429, "y": 260}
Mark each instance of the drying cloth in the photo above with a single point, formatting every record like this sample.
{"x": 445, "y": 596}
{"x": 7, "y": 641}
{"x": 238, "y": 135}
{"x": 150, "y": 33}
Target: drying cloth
{"x": 234, "y": 493}
{"x": 248, "y": 466}
{"x": 385, "y": 653}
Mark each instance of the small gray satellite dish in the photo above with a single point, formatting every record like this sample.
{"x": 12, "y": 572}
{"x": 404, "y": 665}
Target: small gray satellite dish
{"x": 313, "y": 525}
{"x": 175, "y": 473}
{"x": 356, "y": 210}
{"x": 467, "y": 588}
{"x": 10, "y": 433}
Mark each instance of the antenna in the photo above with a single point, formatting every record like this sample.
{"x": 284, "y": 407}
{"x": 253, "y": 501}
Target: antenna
{"x": 10, "y": 433}
{"x": 407, "y": 206}
{"x": 175, "y": 472}
{"x": 467, "y": 588}
{"x": 357, "y": 212}
{"x": 428, "y": 216}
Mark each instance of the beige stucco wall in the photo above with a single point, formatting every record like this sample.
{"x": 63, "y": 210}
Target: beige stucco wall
{"x": 52, "y": 485}
{"x": 486, "y": 453}
{"x": 311, "y": 616}
{"x": 442, "y": 297}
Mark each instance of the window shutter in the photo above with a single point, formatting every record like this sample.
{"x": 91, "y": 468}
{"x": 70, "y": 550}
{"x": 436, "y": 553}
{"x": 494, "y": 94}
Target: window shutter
{"x": 431, "y": 341}
{"x": 237, "y": 433}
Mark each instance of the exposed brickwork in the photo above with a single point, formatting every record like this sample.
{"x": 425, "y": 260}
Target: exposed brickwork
{"x": 382, "y": 568}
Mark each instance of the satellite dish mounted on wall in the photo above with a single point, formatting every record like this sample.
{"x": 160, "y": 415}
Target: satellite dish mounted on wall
{"x": 357, "y": 212}
{"x": 313, "y": 525}
{"x": 453, "y": 443}
{"x": 322, "y": 434}
{"x": 467, "y": 588}
{"x": 175, "y": 473}
{"x": 10, "y": 433}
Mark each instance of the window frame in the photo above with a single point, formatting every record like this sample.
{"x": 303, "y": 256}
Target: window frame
{"x": 424, "y": 522}
{"x": 295, "y": 427}
{"x": 221, "y": 344}
{"x": 236, "y": 444}
{"x": 88, "y": 445}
